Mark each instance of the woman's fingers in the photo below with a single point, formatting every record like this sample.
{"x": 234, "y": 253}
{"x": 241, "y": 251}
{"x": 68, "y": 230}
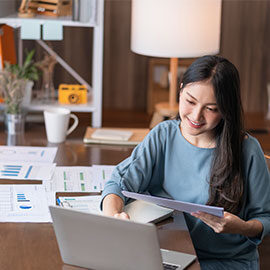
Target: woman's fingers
{"x": 122, "y": 215}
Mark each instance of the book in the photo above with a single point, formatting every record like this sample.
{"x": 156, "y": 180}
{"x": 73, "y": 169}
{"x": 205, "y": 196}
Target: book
{"x": 115, "y": 136}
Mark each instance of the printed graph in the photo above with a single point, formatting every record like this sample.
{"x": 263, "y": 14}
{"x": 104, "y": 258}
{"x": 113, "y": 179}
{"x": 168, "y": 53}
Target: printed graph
{"x": 11, "y": 170}
{"x": 23, "y": 202}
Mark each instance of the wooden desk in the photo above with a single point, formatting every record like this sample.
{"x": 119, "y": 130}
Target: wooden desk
{"x": 33, "y": 245}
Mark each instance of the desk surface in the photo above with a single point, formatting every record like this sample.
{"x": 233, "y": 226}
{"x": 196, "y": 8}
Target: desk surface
{"x": 33, "y": 246}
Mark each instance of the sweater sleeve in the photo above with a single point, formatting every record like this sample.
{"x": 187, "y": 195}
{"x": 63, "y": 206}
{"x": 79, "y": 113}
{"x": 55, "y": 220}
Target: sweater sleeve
{"x": 134, "y": 173}
{"x": 258, "y": 185}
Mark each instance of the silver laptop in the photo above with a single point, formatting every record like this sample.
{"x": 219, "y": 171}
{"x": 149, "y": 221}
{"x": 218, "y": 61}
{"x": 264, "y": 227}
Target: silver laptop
{"x": 106, "y": 243}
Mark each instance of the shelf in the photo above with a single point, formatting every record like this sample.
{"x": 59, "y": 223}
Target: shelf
{"x": 15, "y": 21}
{"x": 36, "y": 106}
{"x": 9, "y": 16}
{"x": 41, "y": 106}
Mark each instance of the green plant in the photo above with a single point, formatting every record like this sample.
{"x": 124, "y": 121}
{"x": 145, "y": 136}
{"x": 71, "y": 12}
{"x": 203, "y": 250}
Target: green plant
{"x": 13, "y": 80}
{"x": 27, "y": 71}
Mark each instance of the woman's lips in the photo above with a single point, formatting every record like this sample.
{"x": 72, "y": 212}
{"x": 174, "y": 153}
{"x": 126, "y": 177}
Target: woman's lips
{"x": 195, "y": 124}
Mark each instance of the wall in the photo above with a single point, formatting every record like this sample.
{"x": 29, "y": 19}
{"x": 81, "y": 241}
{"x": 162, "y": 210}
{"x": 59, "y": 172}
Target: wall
{"x": 125, "y": 73}
{"x": 245, "y": 40}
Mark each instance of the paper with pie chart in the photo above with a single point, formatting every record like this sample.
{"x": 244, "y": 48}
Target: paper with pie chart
{"x": 25, "y": 203}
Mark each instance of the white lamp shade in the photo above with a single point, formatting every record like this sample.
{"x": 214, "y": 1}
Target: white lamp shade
{"x": 175, "y": 28}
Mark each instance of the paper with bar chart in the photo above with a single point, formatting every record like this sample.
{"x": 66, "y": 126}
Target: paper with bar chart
{"x": 102, "y": 174}
{"x": 24, "y": 203}
{"x": 28, "y": 153}
{"x": 72, "y": 179}
{"x": 26, "y": 171}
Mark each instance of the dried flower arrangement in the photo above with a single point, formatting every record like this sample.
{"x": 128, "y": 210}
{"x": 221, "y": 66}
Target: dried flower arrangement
{"x": 13, "y": 80}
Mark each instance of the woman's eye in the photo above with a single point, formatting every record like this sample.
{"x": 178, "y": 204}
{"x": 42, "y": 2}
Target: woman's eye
{"x": 212, "y": 109}
{"x": 190, "y": 102}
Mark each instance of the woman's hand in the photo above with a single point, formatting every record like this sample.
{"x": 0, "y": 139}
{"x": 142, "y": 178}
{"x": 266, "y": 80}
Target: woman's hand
{"x": 113, "y": 206}
{"x": 230, "y": 224}
{"x": 122, "y": 215}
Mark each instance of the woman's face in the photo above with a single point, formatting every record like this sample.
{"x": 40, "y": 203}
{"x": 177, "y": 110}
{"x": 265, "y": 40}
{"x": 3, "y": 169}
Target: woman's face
{"x": 198, "y": 109}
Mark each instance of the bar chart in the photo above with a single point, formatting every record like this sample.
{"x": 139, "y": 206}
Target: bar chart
{"x": 11, "y": 170}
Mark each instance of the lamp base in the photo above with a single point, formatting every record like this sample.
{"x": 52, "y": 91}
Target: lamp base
{"x": 163, "y": 110}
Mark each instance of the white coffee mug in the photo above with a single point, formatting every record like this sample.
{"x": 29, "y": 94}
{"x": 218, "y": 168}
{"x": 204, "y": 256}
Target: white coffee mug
{"x": 56, "y": 123}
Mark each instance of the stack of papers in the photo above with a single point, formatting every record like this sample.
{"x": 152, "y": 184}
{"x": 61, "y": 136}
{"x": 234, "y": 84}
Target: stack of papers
{"x": 26, "y": 203}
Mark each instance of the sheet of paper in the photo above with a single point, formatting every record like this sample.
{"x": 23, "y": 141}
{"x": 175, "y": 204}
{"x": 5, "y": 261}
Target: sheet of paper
{"x": 27, "y": 154}
{"x": 88, "y": 204}
{"x": 26, "y": 171}
{"x": 102, "y": 173}
{"x": 72, "y": 179}
{"x": 177, "y": 205}
{"x": 24, "y": 203}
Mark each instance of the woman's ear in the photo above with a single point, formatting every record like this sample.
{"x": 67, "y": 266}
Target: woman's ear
{"x": 181, "y": 85}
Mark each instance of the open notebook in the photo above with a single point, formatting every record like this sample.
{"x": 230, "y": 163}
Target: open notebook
{"x": 139, "y": 211}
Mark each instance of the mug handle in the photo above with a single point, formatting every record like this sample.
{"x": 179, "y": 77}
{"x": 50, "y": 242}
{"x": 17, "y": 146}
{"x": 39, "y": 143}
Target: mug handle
{"x": 75, "y": 124}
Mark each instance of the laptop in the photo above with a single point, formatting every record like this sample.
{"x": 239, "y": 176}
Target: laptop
{"x": 106, "y": 243}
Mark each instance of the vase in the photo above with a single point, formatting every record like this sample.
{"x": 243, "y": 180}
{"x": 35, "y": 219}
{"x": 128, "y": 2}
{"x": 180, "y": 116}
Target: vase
{"x": 14, "y": 123}
{"x": 27, "y": 94}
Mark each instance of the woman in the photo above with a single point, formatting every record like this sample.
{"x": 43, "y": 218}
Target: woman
{"x": 204, "y": 157}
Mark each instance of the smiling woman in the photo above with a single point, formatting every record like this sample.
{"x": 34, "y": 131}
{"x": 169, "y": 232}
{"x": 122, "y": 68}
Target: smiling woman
{"x": 204, "y": 157}
{"x": 199, "y": 113}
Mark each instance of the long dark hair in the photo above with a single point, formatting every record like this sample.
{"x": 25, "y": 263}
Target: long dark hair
{"x": 226, "y": 177}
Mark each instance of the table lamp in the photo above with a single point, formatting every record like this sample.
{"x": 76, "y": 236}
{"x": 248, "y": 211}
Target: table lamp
{"x": 175, "y": 29}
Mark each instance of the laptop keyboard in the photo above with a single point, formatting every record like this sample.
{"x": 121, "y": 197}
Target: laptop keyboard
{"x": 169, "y": 266}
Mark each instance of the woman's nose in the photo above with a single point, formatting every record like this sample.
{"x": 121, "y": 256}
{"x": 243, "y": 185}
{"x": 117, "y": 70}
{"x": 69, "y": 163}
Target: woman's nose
{"x": 197, "y": 114}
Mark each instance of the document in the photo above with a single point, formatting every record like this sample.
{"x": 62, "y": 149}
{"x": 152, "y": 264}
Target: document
{"x": 27, "y": 154}
{"x": 177, "y": 205}
{"x": 102, "y": 173}
{"x": 26, "y": 171}
{"x": 89, "y": 204}
{"x": 72, "y": 179}
{"x": 139, "y": 211}
{"x": 25, "y": 203}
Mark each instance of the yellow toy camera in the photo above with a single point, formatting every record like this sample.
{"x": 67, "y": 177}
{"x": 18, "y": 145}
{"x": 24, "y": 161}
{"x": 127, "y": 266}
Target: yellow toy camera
{"x": 72, "y": 94}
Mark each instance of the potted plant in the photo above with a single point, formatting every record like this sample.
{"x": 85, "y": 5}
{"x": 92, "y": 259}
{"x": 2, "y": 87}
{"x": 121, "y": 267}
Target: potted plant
{"x": 15, "y": 86}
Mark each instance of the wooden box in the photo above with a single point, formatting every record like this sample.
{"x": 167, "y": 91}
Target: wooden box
{"x": 51, "y": 7}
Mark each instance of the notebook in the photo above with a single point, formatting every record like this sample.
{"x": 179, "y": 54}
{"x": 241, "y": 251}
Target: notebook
{"x": 139, "y": 211}
{"x": 115, "y": 136}
{"x": 99, "y": 242}
{"x": 111, "y": 134}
